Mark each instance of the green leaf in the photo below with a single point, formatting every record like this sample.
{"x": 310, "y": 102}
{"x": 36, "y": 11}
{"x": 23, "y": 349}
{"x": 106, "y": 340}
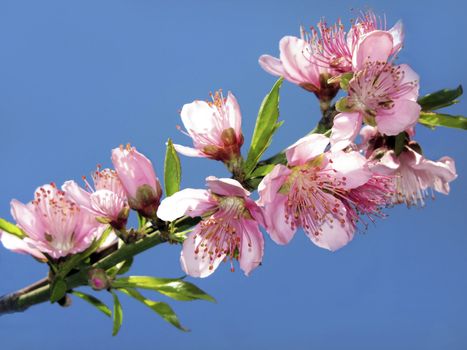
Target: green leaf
{"x": 262, "y": 170}
{"x": 121, "y": 268}
{"x": 99, "y": 305}
{"x": 11, "y": 228}
{"x": 172, "y": 170}
{"x": 400, "y": 142}
{"x": 440, "y": 99}
{"x": 432, "y": 120}
{"x": 117, "y": 315}
{"x": 266, "y": 126}
{"x": 161, "y": 308}
{"x": 74, "y": 260}
{"x": 172, "y": 287}
{"x": 59, "y": 289}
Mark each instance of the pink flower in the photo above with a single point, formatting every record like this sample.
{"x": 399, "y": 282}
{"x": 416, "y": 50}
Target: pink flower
{"x": 367, "y": 40}
{"x": 311, "y": 60}
{"x": 298, "y": 66}
{"x": 108, "y": 202}
{"x": 139, "y": 180}
{"x": 215, "y": 128}
{"x": 414, "y": 175}
{"x": 229, "y": 228}
{"x": 321, "y": 192}
{"x": 379, "y": 94}
{"x": 54, "y": 225}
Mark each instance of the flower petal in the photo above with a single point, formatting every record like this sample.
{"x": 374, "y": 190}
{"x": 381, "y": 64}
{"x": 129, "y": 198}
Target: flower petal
{"x": 189, "y": 151}
{"x": 397, "y": 32}
{"x": 226, "y": 187}
{"x": 252, "y": 249}
{"x": 351, "y": 167}
{"x": 27, "y": 219}
{"x": 410, "y": 76}
{"x": 306, "y": 148}
{"x": 278, "y": 229}
{"x": 334, "y": 235}
{"x": 198, "y": 117}
{"x": 271, "y": 183}
{"x": 233, "y": 113}
{"x": 191, "y": 202}
{"x": 193, "y": 264}
{"x": 403, "y": 115}
{"x": 344, "y": 130}
{"x": 374, "y": 46}
{"x": 18, "y": 245}
{"x": 77, "y": 194}
{"x": 272, "y": 65}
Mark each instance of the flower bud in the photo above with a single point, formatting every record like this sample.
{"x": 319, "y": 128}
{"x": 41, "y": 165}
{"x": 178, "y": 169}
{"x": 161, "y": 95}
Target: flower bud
{"x": 139, "y": 180}
{"x": 98, "y": 279}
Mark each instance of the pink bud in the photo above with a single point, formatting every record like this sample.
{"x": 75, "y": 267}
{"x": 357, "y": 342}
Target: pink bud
{"x": 139, "y": 180}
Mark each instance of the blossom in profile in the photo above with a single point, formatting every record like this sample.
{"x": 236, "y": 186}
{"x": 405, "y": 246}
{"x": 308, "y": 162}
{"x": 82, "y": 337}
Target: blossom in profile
{"x": 309, "y": 61}
{"x": 139, "y": 180}
{"x": 215, "y": 128}
{"x": 108, "y": 202}
{"x": 380, "y": 94}
{"x": 321, "y": 192}
{"x": 296, "y": 65}
{"x": 228, "y": 230}
{"x": 53, "y": 224}
{"x": 367, "y": 40}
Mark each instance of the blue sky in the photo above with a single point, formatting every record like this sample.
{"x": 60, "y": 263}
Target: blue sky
{"x": 79, "y": 78}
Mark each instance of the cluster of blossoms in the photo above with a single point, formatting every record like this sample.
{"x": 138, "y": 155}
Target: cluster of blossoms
{"x": 329, "y": 186}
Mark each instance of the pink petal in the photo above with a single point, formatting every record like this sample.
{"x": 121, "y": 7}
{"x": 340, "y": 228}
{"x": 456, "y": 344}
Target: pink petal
{"x": 252, "y": 249}
{"x": 397, "y": 32}
{"x": 334, "y": 235}
{"x": 272, "y": 65}
{"x": 194, "y": 264}
{"x": 189, "y": 202}
{"x": 18, "y": 245}
{"x": 226, "y": 187}
{"x": 271, "y": 183}
{"x": 403, "y": 115}
{"x": 374, "y": 46}
{"x": 344, "y": 130}
{"x": 234, "y": 114}
{"x": 198, "y": 117}
{"x": 410, "y": 76}
{"x": 435, "y": 174}
{"x": 279, "y": 231}
{"x": 27, "y": 219}
{"x": 351, "y": 167}
{"x": 367, "y": 133}
{"x": 189, "y": 151}
{"x": 295, "y": 61}
{"x": 77, "y": 194}
{"x": 306, "y": 148}
{"x": 387, "y": 165}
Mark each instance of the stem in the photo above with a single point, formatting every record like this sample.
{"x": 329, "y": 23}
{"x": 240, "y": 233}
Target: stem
{"x": 39, "y": 291}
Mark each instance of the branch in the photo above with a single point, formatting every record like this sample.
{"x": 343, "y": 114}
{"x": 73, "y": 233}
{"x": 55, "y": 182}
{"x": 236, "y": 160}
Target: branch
{"x": 39, "y": 292}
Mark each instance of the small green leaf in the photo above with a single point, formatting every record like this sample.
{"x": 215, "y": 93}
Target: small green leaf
{"x": 59, "y": 289}
{"x": 342, "y": 105}
{"x": 171, "y": 287}
{"x": 99, "y": 305}
{"x": 11, "y": 228}
{"x": 172, "y": 170}
{"x": 262, "y": 170}
{"x": 432, "y": 120}
{"x": 440, "y": 99}
{"x": 266, "y": 126}
{"x": 74, "y": 260}
{"x": 161, "y": 308}
{"x": 400, "y": 142}
{"x": 117, "y": 315}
